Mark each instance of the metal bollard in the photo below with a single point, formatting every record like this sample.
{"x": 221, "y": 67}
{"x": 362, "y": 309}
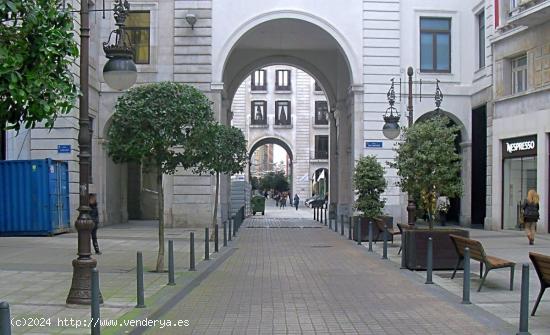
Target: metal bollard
{"x": 524, "y": 306}
{"x": 230, "y": 224}
{"x": 370, "y": 236}
{"x": 216, "y": 229}
{"x": 325, "y": 215}
{"x": 330, "y": 224}
{"x": 350, "y": 225}
{"x": 171, "y": 280}
{"x": 5, "y": 319}
{"x": 342, "y": 225}
{"x": 429, "y": 262}
{"x": 206, "y": 244}
{"x": 234, "y": 226}
{"x": 96, "y": 329}
{"x": 466, "y": 282}
{"x": 321, "y": 213}
{"x": 139, "y": 279}
{"x": 358, "y": 224}
{"x": 385, "y": 246}
{"x": 191, "y": 251}
{"x": 225, "y": 234}
{"x": 315, "y": 213}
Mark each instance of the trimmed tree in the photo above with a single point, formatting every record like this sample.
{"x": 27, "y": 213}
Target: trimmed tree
{"x": 427, "y": 163}
{"x": 274, "y": 181}
{"x": 37, "y": 51}
{"x": 369, "y": 183}
{"x": 157, "y": 124}
{"x": 220, "y": 149}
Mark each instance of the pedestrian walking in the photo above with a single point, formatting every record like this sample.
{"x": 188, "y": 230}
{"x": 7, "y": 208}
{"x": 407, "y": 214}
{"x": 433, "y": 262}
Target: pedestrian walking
{"x": 95, "y": 218}
{"x": 276, "y": 197}
{"x": 283, "y": 201}
{"x": 531, "y": 214}
{"x": 296, "y": 200}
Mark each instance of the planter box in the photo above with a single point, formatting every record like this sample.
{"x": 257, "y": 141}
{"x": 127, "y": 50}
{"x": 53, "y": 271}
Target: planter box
{"x": 415, "y": 246}
{"x": 365, "y": 228}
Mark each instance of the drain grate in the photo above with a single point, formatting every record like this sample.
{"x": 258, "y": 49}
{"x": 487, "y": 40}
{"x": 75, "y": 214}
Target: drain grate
{"x": 321, "y": 246}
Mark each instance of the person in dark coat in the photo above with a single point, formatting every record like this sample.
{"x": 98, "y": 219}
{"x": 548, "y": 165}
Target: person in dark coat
{"x": 531, "y": 214}
{"x": 95, "y": 217}
{"x": 296, "y": 200}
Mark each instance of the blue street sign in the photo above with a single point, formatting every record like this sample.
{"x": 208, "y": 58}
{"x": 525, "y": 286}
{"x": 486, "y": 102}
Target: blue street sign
{"x": 369, "y": 144}
{"x": 64, "y": 149}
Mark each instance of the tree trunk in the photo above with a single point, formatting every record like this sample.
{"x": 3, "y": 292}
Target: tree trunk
{"x": 215, "y": 215}
{"x": 160, "y": 258}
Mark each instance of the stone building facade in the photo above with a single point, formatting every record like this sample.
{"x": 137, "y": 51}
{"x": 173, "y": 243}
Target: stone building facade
{"x": 477, "y": 49}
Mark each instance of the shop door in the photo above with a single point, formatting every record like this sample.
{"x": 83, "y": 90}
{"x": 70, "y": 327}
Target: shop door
{"x": 520, "y": 175}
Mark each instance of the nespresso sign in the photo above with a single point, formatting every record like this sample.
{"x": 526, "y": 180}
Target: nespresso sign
{"x": 519, "y": 146}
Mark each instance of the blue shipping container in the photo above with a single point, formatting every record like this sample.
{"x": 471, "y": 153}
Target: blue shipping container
{"x": 34, "y": 197}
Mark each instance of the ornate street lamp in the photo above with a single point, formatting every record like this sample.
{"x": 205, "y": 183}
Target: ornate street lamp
{"x": 391, "y": 124}
{"x": 119, "y": 72}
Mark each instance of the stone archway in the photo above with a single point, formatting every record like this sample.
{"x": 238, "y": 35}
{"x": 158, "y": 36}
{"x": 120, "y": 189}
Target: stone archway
{"x": 277, "y": 141}
{"x": 315, "y": 46}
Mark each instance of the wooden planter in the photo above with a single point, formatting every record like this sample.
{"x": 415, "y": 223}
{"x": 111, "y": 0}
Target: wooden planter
{"x": 415, "y": 246}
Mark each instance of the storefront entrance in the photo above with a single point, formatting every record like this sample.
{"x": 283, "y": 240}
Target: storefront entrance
{"x": 519, "y": 176}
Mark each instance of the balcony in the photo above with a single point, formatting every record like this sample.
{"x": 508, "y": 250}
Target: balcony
{"x": 530, "y": 13}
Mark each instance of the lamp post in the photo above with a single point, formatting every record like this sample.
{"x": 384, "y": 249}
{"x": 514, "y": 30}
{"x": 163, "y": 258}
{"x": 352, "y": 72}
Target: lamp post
{"x": 120, "y": 73}
{"x": 391, "y": 125}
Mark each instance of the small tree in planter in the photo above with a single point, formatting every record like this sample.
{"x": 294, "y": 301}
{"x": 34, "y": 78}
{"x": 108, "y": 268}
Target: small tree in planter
{"x": 369, "y": 183}
{"x": 427, "y": 163}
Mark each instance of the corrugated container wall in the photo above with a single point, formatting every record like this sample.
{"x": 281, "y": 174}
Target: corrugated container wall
{"x": 34, "y": 197}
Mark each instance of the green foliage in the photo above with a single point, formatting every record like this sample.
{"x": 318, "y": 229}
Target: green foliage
{"x": 37, "y": 50}
{"x": 369, "y": 183}
{"x": 219, "y": 149}
{"x": 274, "y": 181}
{"x": 427, "y": 163}
{"x": 255, "y": 182}
{"x": 158, "y": 123}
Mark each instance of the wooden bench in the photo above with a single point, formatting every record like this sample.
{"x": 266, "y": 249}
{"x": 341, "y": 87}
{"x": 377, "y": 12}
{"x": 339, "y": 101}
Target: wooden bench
{"x": 379, "y": 224}
{"x": 542, "y": 266}
{"x": 477, "y": 253}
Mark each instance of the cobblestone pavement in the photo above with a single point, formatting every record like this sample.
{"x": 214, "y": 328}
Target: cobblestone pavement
{"x": 294, "y": 276}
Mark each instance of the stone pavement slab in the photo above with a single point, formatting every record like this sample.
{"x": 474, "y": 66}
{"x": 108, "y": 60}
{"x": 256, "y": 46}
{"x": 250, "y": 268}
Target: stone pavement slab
{"x": 294, "y": 276}
{"x": 36, "y": 272}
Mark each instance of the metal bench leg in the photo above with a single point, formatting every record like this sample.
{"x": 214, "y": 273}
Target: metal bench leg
{"x": 400, "y": 247}
{"x": 483, "y": 279}
{"x": 542, "y": 289}
{"x": 512, "y": 277}
{"x": 460, "y": 259}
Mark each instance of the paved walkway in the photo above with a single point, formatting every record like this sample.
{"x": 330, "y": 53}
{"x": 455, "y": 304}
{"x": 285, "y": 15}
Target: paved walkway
{"x": 295, "y": 276}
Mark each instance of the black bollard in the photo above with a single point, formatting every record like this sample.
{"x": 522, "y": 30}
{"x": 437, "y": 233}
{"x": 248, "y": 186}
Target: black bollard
{"x": 95, "y": 325}
{"x": 342, "y": 224}
{"x": 191, "y": 251}
{"x": 358, "y": 225}
{"x": 139, "y": 278}
{"x": 429, "y": 262}
{"x": 385, "y": 246}
{"x": 466, "y": 282}
{"x": 216, "y": 229}
{"x": 234, "y": 226}
{"x": 206, "y": 244}
{"x": 524, "y": 305}
{"x": 315, "y": 213}
{"x": 5, "y": 319}
{"x": 225, "y": 234}
{"x": 370, "y": 235}
{"x": 325, "y": 215}
{"x": 230, "y": 224}
{"x": 171, "y": 278}
{"x": 350, "y": 225}
{"x": 330, "y": 224}
{"x": 321, "y": 213}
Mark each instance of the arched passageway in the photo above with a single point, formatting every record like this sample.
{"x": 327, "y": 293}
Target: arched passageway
{"x": 314, "y": 46}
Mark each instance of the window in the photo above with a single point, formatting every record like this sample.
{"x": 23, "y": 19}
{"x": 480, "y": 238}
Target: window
{"x": 318, "y": 87}
{"x": 514, "y": 4}
{"x": 282, "y": 80}
{"x": 481, "y": 38}
{"x": 258, "y": 112}
{"x": 321, "y": 112}
{"x": 435, "y": 45}
{"x": 138, "y": 26}
{"x": 519, "y": 74}
{"x": 321, "y": 147}
{"x": 282, "y": 113}
{"x": 259, "y": 82}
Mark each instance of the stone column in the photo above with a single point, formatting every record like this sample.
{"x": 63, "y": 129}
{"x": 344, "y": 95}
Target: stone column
{"x": 333, "y": 165}
{"x": 345, "y": 157}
